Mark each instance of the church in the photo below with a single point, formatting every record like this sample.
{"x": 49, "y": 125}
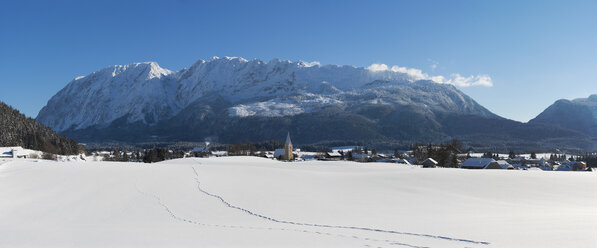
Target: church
{"x": 286, "y": 152}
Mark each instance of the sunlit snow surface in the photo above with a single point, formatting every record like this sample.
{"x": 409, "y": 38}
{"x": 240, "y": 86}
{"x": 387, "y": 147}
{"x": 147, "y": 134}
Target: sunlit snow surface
{"x": 254, "y": 202}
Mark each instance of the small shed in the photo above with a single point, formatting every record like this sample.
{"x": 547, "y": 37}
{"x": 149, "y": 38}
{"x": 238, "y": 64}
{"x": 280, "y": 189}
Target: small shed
{"x": 429, "y": 163}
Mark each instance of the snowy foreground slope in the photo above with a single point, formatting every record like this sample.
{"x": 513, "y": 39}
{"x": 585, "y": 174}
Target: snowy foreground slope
{"x": 253, "y": 202}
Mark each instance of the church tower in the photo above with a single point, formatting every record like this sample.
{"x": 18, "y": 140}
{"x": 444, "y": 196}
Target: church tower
{"x": 288, "y": 148}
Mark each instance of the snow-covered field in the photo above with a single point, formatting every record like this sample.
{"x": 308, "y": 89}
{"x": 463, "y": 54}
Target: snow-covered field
{"x": 255, "y": 202}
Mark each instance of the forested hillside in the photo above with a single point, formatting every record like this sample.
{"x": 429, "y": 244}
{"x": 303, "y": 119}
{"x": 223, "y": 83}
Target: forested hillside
{"x": 18, "y": 130}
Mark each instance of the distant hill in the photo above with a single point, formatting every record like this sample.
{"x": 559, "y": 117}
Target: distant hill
{"x": 18, "y": 130}
{"x": 578, "y": 115}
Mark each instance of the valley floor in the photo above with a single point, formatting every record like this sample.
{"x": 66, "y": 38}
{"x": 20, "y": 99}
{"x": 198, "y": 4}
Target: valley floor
{"x": 255, "y": 202}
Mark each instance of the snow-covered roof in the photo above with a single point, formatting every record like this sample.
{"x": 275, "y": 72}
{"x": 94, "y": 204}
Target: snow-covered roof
{"x": 279, "y": 152}
{"x": 504, "y": 164}
{"x": 361, "y": 155}
{"x": 334, "y": 154}
{"x": 402, "y": 161}
{"x": 16, "y": 151}
{"x": 345, "y": 148}
{"x": 219, "y": 153}
{"x": 477, "y": 162}
{"x": 430, "y": 160}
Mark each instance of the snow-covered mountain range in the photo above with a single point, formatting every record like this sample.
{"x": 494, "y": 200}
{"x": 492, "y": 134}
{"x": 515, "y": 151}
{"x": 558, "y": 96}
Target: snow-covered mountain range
{"x": 232, "y": 99}
{"x": 147, "y": 93}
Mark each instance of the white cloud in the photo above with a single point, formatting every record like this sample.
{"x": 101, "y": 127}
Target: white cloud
{"x": 478, "y": 80}
{"x": 377, "y": 67}
{"x": 416, "y": 74}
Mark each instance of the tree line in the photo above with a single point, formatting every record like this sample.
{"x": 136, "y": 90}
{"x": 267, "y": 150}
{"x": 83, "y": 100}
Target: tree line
{"x": 18, "y": 130}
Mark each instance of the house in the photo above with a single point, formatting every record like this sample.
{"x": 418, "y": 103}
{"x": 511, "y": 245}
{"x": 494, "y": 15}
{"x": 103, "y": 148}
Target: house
{"x": 333, "y": 155}
{"x": 480, "y": 163}
{"x": 346, "y": 149}
{"x": 402, "y": 161}
{"x": 361, "y": 156}
{"x": 200, "y": 152}
{"x": 14, "y": 152}
{"x": 200, "y": 149}
{"x": 429, "y": 163}
{"x": 505, "y": 165}
{"x": 5, "y": 153}
{"x": 572, "y": 166}
{"x": 520, "y": 167}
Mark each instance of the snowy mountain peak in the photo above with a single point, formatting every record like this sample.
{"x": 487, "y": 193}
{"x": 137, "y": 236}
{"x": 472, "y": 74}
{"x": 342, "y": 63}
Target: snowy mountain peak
{"x": 150, "y": 69}
{"x": 144, "y": 70}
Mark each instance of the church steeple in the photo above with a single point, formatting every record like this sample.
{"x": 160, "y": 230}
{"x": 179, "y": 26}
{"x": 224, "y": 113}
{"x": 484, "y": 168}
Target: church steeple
{"x": 288, "y": 148}
{"x": 288, "y": 141}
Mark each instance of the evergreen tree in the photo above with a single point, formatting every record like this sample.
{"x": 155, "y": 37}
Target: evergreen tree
{"x": 125, "y": 156}
{"x": 116, "y": 155}
{"x": 349, "y": 156}
{"x": 18, "y": 130}
{"x": 454, "y": 161}
{"x": 430, "y": 152}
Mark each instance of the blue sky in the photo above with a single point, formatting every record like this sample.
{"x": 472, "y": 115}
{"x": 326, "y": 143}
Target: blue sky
{"x": 535, "y": 52}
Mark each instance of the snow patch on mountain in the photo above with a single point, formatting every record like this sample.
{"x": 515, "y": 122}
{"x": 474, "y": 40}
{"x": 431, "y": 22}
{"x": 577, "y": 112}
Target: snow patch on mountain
{"x": 270, "y": 108}
{"x": 283, "y": 107}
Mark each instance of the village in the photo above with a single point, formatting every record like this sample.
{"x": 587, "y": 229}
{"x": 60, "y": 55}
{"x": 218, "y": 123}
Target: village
{"x": 422, "y": 156}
